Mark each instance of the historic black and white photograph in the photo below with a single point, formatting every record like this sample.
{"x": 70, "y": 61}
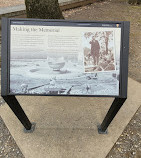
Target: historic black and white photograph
{"x": 99, "y": 51}
{"x": 59, "y": 62}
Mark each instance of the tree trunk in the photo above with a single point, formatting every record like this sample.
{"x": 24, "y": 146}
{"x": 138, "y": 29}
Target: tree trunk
{"x": 43, "y": 9}
{"x": 134, "y": 2}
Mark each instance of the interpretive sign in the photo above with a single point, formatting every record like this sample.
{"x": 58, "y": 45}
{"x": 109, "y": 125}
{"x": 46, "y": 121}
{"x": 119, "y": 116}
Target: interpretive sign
{"x": 77, "y": 59}
{"x": 66, "y": 58}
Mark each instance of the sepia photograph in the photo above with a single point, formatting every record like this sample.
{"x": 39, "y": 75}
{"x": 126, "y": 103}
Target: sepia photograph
{"x": 99, "y": 52}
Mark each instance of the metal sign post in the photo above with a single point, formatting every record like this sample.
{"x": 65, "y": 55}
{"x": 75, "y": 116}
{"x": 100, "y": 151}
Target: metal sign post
{"x": 116, "y": 105}
{"x": 18, "y": 111}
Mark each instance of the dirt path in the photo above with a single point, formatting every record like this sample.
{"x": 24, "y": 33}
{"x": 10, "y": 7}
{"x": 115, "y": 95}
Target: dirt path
{"x": 116, "y": 10}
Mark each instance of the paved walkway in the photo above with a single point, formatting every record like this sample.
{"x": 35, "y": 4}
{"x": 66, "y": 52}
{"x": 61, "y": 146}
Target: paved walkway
{"x": 9, "y": 3}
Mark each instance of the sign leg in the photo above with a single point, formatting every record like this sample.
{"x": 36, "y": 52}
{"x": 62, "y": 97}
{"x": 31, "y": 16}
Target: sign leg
{"x": 116, "y": 105}
{"x": 18, "y": 111}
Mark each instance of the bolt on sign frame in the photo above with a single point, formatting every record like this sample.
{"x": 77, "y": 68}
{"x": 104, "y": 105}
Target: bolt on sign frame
{"x": 62, "y": 55}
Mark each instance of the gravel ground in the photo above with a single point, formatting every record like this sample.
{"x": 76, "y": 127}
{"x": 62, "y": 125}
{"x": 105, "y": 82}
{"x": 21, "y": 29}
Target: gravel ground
{"x": 8, "y": 147}
{"x": 129, "y": 143}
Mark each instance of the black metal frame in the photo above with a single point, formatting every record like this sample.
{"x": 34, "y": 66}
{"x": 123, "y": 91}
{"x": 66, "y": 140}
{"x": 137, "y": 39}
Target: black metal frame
{"x": 18, "y": 111}
{"x": 5, "y": 71}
